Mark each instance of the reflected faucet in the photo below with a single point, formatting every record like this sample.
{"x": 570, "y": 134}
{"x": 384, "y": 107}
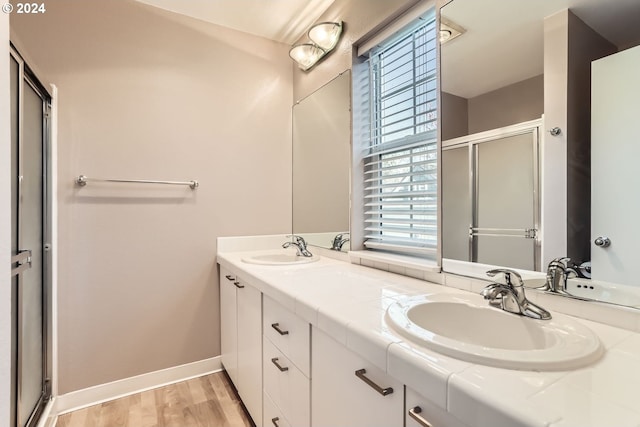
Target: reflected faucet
{"x": 339, "y": 241}
{"x": 557, "y": 276}
{"x": 300, "y": 245}
{"x": 511, "y": 297}
{"x": 558, "y": 271}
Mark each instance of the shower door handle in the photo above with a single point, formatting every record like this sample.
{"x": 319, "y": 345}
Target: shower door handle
{"x": 23, "y": 261}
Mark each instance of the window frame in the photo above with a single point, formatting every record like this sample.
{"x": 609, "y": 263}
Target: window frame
{"x": 361, "y": 141}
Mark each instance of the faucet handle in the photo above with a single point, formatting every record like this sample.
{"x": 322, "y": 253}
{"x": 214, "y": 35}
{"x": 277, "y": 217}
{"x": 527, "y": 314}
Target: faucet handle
{"x": 563, "y": 260}
{"x": 297, "y": 238}
{"x": 493, "y": 292}
{"x": 339, "y": 240}
{"x": 507, "y": 276}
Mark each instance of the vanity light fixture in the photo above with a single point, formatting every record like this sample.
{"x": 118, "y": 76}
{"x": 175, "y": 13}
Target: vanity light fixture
{"x": 323, "y": 38}
{"x": 325, "y": 34}
{"x": 449, "y": 30}
{"x": 306, "y": 55}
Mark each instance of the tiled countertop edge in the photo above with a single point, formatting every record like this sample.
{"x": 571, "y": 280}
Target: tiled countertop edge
{"x": 457, "y": 389}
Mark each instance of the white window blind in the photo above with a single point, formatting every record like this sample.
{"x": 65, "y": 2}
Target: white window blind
{"x": 400, "y": 163}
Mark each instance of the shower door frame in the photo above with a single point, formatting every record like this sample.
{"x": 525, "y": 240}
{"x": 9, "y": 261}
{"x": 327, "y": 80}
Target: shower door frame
{"x": 27, "y": 76}
{"x": 471, "y": 143}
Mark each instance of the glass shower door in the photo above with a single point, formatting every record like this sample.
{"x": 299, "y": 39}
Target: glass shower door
{"x": 505, "y": 194}
{"x": 491, "y": 197}
{"x": 29, "y": 263}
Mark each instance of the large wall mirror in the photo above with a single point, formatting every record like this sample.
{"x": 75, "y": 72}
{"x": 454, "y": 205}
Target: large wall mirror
{"x": 321, "y": 161}
{"x": 495, "y": 96}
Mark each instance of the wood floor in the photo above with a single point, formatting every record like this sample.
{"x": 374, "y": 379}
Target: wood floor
{"x": 200, "y": 402}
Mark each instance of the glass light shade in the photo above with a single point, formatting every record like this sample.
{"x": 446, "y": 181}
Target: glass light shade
{"x": 445, "y": 35}
{"x": 449, "y": 30}
{"x": 306, "y": 55}
{"x": 326, "y": 34}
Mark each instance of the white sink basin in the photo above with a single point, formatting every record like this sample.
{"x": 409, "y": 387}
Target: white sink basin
{"x": 279, "y": 259}
{"x": 468, "y": 328}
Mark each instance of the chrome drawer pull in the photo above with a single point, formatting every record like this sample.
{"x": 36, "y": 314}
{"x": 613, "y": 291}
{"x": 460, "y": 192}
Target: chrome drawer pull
{"x": 230, "y": 277}
{"x": 413, "y": 413}
{"x": 360, "y": 373}
{"x": 276, "y": 326}
{"x": 238, "y": 285}
{"x": 275, "y": 421}
{"x": 282, "y": 368}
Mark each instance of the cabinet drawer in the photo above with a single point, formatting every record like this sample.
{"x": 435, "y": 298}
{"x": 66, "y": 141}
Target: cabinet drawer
{"x": 287, "y": 386}
{"x": 273, "y": 417}
{"x": 343, "y": 399}
{"x": 288, "y": 332}
{"x": 420, "y": 412}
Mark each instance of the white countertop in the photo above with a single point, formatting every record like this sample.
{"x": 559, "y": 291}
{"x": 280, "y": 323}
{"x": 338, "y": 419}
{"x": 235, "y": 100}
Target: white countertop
{"x": 348, "y": 302}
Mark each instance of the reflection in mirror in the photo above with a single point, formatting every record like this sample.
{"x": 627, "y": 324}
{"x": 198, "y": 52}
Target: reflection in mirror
{"x": 490, "y": 219}
{"x": 518, "y": 70}
{"x": 321, "y": 160}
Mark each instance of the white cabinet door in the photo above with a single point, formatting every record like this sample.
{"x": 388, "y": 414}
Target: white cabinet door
{"x": 249, "y": 384}
{"x": 287, "y": 386}
{"x": 421, "y": 412}
{"x": 615, "y": 150}
{"x": 228, "y": 325}
{"x": 341, "y": 399}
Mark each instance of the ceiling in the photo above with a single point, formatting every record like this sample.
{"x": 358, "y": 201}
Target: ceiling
{"x": 503, "y": 43}
{"x": 284, "y": 21}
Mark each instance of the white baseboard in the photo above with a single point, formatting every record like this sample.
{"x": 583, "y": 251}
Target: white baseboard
{"x": 116, "y": 389}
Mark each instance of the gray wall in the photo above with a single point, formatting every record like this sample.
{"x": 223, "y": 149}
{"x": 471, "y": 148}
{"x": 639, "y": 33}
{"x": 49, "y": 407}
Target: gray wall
{"x": 455, "y": 116}
{"x": 456, "y": 204}
{"x": 321, "y": 154}
{"x": 509, "y": 105}
{"x": 516, "y": 103}
{"x": 5, "y": 225}
{"x": 585, "y": 45}
{"x": 147, "y": 94}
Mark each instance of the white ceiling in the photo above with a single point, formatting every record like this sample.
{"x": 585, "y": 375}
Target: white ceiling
{"x": 284, "y": 21}
{"x": 503, "y": 43}
{"x": 504, "y": 39}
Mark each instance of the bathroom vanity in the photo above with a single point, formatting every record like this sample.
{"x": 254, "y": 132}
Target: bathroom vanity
{"x": 328, "y": 355}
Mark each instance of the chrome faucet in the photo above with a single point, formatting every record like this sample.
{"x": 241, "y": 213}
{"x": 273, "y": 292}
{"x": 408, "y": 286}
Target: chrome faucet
{"x": 339, "y": 241}
{"x": 510, "y": 296}
{"x": 557, "y": 276}
{"x": 558, "y": 271}
{"x": 300, "y": 245}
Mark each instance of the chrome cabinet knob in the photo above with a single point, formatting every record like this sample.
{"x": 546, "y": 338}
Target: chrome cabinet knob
{"x": 602, "y": 242}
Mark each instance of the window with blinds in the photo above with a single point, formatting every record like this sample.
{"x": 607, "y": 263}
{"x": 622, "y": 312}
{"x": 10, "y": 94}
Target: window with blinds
{"x": 400, "y": 162}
